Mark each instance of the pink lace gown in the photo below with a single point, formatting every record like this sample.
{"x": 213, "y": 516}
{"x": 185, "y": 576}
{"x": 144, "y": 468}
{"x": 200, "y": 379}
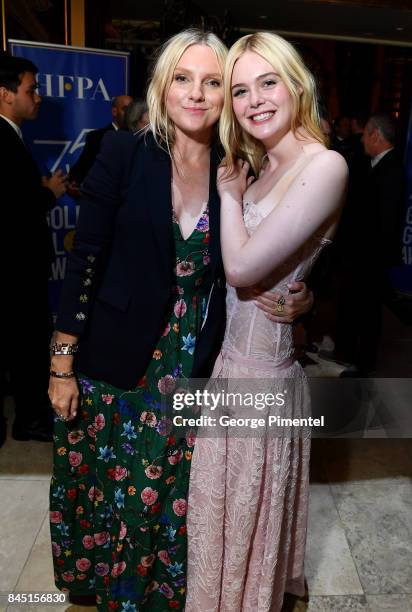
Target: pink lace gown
{"x": 248, "y": 496}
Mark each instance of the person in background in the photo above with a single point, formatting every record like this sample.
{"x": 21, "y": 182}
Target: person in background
{"x": 142, "y": 306}
{"x": 325, "y": 124}
{"x": 93, "y": 142}
{"x": 340, "y": 137}
{"x": 374, "y": 240}
{"x": 357, "y": 126}
{"x": 136, "y": 116}
{"x": 325, "y": 127}
{"x": 386, "y": 185}
{"x": 26, "y": 253}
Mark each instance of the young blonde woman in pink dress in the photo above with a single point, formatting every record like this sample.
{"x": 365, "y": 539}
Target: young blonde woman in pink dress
{"x": 248, "y": 496}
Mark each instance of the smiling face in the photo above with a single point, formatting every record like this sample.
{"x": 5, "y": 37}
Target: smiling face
{"x": 195, "y": 97}
{"x": 261, "y": 101}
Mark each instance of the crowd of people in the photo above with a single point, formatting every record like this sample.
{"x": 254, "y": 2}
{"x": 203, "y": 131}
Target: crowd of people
{"x": 203, "y": 212}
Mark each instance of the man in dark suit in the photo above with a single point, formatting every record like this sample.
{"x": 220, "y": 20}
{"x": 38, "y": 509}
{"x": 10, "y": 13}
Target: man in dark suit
{"x": 386, "y": 185}
{"x": 26, "y": 253}
{"x": 378, "y": 231}
{"x": 94, "y": 139}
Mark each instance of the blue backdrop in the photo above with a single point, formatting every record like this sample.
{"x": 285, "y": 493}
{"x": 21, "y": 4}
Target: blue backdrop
{"x": 402, "y": 275}
{"x": 77, "y": 86}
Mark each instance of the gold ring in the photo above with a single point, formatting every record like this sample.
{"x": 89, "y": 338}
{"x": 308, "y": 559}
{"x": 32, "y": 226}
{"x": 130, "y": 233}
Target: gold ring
{"x": 280, "y": 304}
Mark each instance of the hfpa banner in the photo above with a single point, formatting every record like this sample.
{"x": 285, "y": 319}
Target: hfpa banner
{"x": 77, "y": 86}
{"x": 402, "y": 275}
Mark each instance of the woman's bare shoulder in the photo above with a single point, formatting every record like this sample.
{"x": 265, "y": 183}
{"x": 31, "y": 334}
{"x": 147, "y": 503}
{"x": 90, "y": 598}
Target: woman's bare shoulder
{"x": 326, "y": 159}
{"x": 325, "y": 174}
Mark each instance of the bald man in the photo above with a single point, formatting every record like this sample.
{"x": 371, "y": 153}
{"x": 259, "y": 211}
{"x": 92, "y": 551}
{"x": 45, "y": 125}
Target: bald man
{"x": 94, "y": 138}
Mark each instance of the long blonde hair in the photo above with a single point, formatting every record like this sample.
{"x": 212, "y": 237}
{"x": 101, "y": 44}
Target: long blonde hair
{"x": 298, "y": 80}
{"x": 170, "y": 53}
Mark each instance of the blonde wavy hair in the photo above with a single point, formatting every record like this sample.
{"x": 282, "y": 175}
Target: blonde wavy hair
{"x": 169, "y": 55}
{"x": 298, "y": 80}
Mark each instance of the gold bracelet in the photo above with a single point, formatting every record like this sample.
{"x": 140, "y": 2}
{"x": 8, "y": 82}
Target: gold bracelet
{"x": 62, "y": 374}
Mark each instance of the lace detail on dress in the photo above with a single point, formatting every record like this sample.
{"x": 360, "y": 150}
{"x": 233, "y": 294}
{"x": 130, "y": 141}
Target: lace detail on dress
{"x": 248, "y": 331}
{"x": 248, "y": 497}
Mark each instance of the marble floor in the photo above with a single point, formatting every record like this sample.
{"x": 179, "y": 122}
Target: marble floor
{"x": 359, "y": 553}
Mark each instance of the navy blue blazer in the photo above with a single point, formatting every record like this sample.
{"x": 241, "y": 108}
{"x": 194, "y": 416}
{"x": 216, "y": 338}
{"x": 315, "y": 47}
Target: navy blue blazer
{"x": 117, "y": 294}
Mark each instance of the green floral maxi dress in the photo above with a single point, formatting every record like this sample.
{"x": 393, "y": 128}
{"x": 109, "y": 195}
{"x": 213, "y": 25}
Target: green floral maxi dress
{"x": 121, "y": 471}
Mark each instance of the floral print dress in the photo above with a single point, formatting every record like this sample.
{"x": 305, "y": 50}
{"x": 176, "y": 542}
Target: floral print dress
{"x": 118, "y": 494}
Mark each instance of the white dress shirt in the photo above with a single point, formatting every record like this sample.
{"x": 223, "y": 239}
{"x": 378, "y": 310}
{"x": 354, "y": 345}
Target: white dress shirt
{"x": 375, "y": 160}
